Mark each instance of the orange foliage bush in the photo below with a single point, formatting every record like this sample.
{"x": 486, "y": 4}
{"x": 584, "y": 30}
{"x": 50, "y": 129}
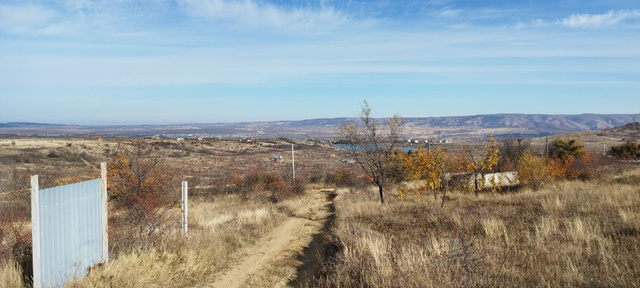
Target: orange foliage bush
{"x": 572, "y": 168}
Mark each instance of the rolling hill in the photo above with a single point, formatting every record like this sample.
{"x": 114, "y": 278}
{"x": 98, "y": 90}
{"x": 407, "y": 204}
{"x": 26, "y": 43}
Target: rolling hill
{"x": 457, "y": 127}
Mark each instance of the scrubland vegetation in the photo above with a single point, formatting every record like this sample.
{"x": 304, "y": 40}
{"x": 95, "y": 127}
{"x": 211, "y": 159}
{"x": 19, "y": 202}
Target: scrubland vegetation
{"x": 574, "y": 220}
{"x": 567, "y": 233}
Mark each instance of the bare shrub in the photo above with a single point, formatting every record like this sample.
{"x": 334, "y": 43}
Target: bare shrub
{"x": 262, "y": 186}
{"x": 15, "y": 240}
{"x": 143, "y": 190}
{"x": 345, "y": 177}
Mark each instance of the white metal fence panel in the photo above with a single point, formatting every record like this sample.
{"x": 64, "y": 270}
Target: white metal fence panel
{"x": 71, "y": 232}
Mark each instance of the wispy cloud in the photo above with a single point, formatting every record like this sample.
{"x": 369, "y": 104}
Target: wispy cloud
{"x": 599, "y": 20}
{"x": 254, "y": 14}
{"x": 26, "y": 19}
{"x": 449, "y": 13}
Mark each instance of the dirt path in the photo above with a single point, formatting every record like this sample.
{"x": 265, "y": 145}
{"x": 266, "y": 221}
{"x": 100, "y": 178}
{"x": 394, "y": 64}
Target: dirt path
{"x": 287, "y": 255}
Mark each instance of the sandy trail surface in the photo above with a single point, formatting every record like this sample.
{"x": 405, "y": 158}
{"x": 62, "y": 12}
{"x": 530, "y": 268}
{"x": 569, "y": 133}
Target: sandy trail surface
{"x": 285, "y": 257}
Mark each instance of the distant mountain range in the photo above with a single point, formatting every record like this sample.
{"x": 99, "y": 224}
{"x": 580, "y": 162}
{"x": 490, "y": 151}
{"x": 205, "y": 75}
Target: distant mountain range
{"x": 456, "y": 127}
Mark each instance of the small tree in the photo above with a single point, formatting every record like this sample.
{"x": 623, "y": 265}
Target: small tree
{"x": 510, "y": 152}
{"x": 432, "y": 166}
{"x": 372, "y": 145}
{"x": 479, "y": 165}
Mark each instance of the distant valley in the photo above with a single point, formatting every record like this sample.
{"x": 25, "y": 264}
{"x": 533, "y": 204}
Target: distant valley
{"x": 455, "y": 127}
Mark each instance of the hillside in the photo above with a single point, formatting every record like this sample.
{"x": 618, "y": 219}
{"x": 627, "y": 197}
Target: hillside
{"x": 457, "y": 127}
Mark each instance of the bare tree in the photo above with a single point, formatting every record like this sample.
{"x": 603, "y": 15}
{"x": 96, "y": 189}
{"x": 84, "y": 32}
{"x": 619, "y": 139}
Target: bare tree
{"x": 372, "y": 145}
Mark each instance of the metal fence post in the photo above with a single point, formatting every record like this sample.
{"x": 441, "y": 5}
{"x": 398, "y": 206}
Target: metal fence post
{"x": 185, "y": 207}
{"x": 103, "y": 212}
{"x": 35, "y": 232}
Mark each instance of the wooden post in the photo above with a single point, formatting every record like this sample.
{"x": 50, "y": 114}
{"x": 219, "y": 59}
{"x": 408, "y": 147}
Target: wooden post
{"x": 185, "y": 207}
{"x": 293, "y": 165}
{"x": 104, "y": 213}
{"x": 546, "y": 146}
{"x": 35, "y": 232}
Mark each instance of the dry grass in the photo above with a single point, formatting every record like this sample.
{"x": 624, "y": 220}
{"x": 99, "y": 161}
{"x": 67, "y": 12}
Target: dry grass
{"x": 566, "y": 234}
{"x": 10, "y": 275}
{"x": 219, "y": 228}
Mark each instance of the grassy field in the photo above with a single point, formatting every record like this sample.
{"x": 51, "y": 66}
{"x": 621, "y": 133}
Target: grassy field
{"x": 568, "y": 234}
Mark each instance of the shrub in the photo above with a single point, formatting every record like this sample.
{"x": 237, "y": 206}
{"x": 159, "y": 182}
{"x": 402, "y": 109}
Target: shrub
{"x": 15, "y": 240}
{"x": 567, "y": 148}
{"x": 532, "y": 171}
{"x": 144, "y": 189}
{"x": 510, "y": 152}
{"x": 582, "y": 168}
{"x": 627, "y": 151}
{"x": 344, "y": 177}
{"x": 265, "y": 186}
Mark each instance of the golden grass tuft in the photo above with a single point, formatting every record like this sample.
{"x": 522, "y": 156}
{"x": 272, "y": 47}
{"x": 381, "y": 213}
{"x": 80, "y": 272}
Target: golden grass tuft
{"x": 10, "y": 275}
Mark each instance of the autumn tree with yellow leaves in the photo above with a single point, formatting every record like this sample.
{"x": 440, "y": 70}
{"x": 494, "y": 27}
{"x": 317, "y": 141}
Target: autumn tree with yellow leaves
{"x": 435, "y": 168}
{"x": 480, "y": 165}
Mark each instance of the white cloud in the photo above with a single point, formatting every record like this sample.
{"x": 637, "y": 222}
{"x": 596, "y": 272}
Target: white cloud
{"x": 25, "y": 19}
{"x": 253, "y": 14}
{"x": 449, "y": 13}
{"x": 599, "y": 20}
{"x": 535, "y": 23}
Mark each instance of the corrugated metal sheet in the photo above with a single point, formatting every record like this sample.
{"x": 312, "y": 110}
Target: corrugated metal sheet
{"x": 71, "y": 231}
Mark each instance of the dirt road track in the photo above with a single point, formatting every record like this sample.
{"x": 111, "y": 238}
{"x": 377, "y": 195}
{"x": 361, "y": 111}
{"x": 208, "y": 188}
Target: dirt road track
{"x": 294, "y": 244}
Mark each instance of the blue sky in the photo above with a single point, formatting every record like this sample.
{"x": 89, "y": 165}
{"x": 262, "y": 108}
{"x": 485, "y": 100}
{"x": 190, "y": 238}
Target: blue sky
{"x": 187, "y": 61}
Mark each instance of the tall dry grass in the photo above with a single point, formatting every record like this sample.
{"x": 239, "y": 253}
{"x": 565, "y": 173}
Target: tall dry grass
{"x": 566, "y": 234}
{"x": 218, "y": 229}
{"x": 10, "y": 275}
